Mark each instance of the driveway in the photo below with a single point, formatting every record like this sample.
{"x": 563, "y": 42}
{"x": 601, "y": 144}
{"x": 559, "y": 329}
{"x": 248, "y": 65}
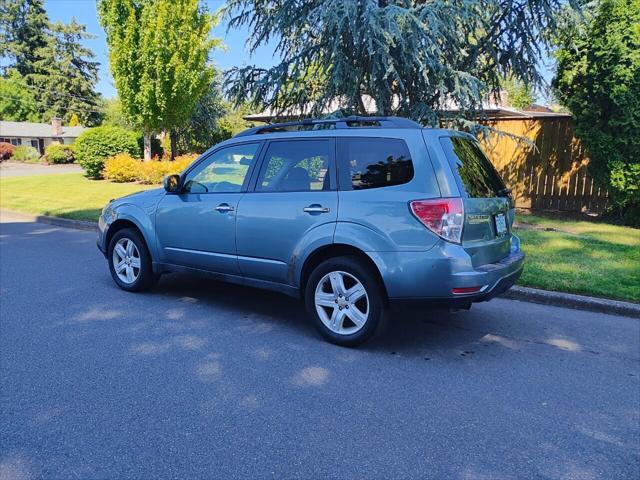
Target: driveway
{"x": 205, "y": 380}
{"x": 18, "y": 169}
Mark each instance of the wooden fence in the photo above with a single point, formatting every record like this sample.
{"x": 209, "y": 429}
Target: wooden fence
{"x": 552, "y": 176}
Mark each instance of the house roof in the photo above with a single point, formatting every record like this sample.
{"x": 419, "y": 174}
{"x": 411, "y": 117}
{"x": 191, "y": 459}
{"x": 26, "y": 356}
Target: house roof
{"x": 36, "y": 130}
{"x": 493, "y": 109}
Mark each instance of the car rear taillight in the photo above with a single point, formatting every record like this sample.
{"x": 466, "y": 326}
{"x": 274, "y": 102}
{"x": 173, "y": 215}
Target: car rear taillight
{"x": 443, "y": 216}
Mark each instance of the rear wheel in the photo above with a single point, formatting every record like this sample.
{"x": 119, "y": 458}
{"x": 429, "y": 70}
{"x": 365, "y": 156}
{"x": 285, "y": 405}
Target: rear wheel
{"x": 345, "y": 300}
{"x": 130, "y": 262}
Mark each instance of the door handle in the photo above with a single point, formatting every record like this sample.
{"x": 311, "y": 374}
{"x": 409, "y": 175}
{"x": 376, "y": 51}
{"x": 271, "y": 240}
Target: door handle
{"x": 224, "y": 207}
{"x": 316, "y": 209}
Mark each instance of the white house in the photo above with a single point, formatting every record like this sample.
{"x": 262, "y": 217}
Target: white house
{"x": 38, "y": 135}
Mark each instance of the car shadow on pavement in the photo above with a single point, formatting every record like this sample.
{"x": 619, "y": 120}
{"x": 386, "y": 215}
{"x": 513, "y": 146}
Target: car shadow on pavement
{"x": 407, "y": 330}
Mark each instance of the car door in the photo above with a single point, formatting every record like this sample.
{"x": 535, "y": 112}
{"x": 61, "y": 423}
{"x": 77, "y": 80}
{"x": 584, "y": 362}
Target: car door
{"x": 196, "y": 227}
{"x": 293, "y": 197}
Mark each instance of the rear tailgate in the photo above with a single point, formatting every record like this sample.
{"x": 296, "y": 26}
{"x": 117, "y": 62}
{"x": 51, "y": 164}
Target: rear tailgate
{"x": 487, "y": 205}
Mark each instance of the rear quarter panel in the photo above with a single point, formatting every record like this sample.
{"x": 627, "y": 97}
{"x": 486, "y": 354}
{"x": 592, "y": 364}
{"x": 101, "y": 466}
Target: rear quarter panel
{"x": 379, "y": 219}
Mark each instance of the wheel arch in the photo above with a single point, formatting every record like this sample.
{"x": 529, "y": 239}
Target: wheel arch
{"x": 333, "y": 250}
{"x": 121, "y": 224}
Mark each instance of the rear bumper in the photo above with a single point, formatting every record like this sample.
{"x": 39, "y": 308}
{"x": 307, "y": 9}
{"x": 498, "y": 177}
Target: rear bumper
{"x": 431, "y": 277}
{"x": 494, "y": 278}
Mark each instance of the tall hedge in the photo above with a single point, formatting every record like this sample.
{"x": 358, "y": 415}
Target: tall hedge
{"x": 598, "y": 79}
{"x": 95, "y": 145}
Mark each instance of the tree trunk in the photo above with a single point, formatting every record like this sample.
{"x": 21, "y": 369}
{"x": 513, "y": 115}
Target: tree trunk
{"x": 362, "y": 110}
{"x": 173, "y": 138}
{"x": 147, "y": 146}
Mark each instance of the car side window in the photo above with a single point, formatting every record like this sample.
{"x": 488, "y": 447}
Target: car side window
{"x": 373, "y": 163}
{"x": 224, "y": 171}
{"x": 296, "y": 166}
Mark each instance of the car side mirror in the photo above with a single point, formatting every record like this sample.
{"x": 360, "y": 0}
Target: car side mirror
{"x": 171, "y": 183}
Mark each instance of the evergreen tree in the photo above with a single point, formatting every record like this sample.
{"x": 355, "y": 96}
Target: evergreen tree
{"x": 65, "y": 76}
{"x": 414, "y": 58}
{"x": 158, "y": 51}
{"x": 23, "y": 32}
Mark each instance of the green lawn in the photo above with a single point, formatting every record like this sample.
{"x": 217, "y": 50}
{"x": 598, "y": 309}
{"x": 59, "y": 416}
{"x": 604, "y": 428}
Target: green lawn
{"x": 579, "y": 257}
{"x": 66, "y": 195}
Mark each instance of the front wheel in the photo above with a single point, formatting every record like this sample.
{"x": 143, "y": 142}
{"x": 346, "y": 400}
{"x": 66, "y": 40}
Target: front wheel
{"x": 345, "y": 300}
{"x": 130, "y": 262}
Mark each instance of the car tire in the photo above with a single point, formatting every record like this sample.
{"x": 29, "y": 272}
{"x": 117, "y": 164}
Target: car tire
{"x": 130, "y": 261}
{"x": 341, "y": 319}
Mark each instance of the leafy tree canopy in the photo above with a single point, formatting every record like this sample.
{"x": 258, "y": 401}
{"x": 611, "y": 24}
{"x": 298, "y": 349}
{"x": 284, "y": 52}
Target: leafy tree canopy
{"x": 158, "y": 51}
{"x": 17, "y": 100}
{"x": 519, "y": 95}
{"x": 414, "y": 58}
{"x": 213, "y": 120}
{"x": 598, "y": 80}
{"x": 113, "y": 115}
{"x": 74, "y": 121}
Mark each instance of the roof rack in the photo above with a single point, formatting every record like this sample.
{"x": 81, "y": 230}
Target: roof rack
{"x": 337, "y": 123}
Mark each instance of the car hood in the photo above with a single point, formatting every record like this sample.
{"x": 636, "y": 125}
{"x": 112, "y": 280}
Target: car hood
{"x": 140, "y": 198}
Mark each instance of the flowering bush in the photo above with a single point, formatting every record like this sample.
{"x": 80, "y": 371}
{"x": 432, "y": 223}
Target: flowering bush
{"x": 6, "y": 150}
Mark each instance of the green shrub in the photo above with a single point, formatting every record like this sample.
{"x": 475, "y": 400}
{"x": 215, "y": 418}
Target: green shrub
{"x": 6, "y": 150}
{"x": 25, "y": 153}
{"x": 57, "y": 153}
{"x": 95, "y": 145}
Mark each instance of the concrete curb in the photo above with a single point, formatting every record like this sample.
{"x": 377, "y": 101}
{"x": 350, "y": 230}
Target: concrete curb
{"x": 570, "y": 300}
{"x": 526, "y": 294}
{"x": 60, "y": 222}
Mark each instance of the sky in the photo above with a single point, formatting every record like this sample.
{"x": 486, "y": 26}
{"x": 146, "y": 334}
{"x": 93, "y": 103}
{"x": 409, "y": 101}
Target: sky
{"x": 234, "y": 54}
{"x": 84, "y": 11}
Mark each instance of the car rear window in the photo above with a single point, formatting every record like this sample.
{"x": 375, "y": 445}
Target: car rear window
{"x": 476, "y": 175}
{"x": 373, "y": 163}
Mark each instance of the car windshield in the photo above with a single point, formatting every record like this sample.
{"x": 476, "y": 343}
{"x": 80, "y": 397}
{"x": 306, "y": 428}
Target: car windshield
{"x": 477, "y": 175}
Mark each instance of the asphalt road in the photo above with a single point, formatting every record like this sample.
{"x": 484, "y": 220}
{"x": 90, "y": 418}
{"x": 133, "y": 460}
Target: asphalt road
{"x": 205, "y": 380}
{"x": 18, "y": 169}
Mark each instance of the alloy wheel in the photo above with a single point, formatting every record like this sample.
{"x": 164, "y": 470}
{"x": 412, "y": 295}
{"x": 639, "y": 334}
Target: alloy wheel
{"x": 126, "y": 260}
{"x": 342, "y": 302}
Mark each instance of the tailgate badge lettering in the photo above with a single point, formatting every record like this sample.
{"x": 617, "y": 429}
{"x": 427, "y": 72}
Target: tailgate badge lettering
{"x": 476, "y": 219}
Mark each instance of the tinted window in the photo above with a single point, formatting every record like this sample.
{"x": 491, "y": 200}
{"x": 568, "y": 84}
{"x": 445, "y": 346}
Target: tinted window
{"x": 476, "y": 173}
{"x": 295, "y": 166}
{"x": 224, "y": 171}
{"x": 373, "y": 163}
